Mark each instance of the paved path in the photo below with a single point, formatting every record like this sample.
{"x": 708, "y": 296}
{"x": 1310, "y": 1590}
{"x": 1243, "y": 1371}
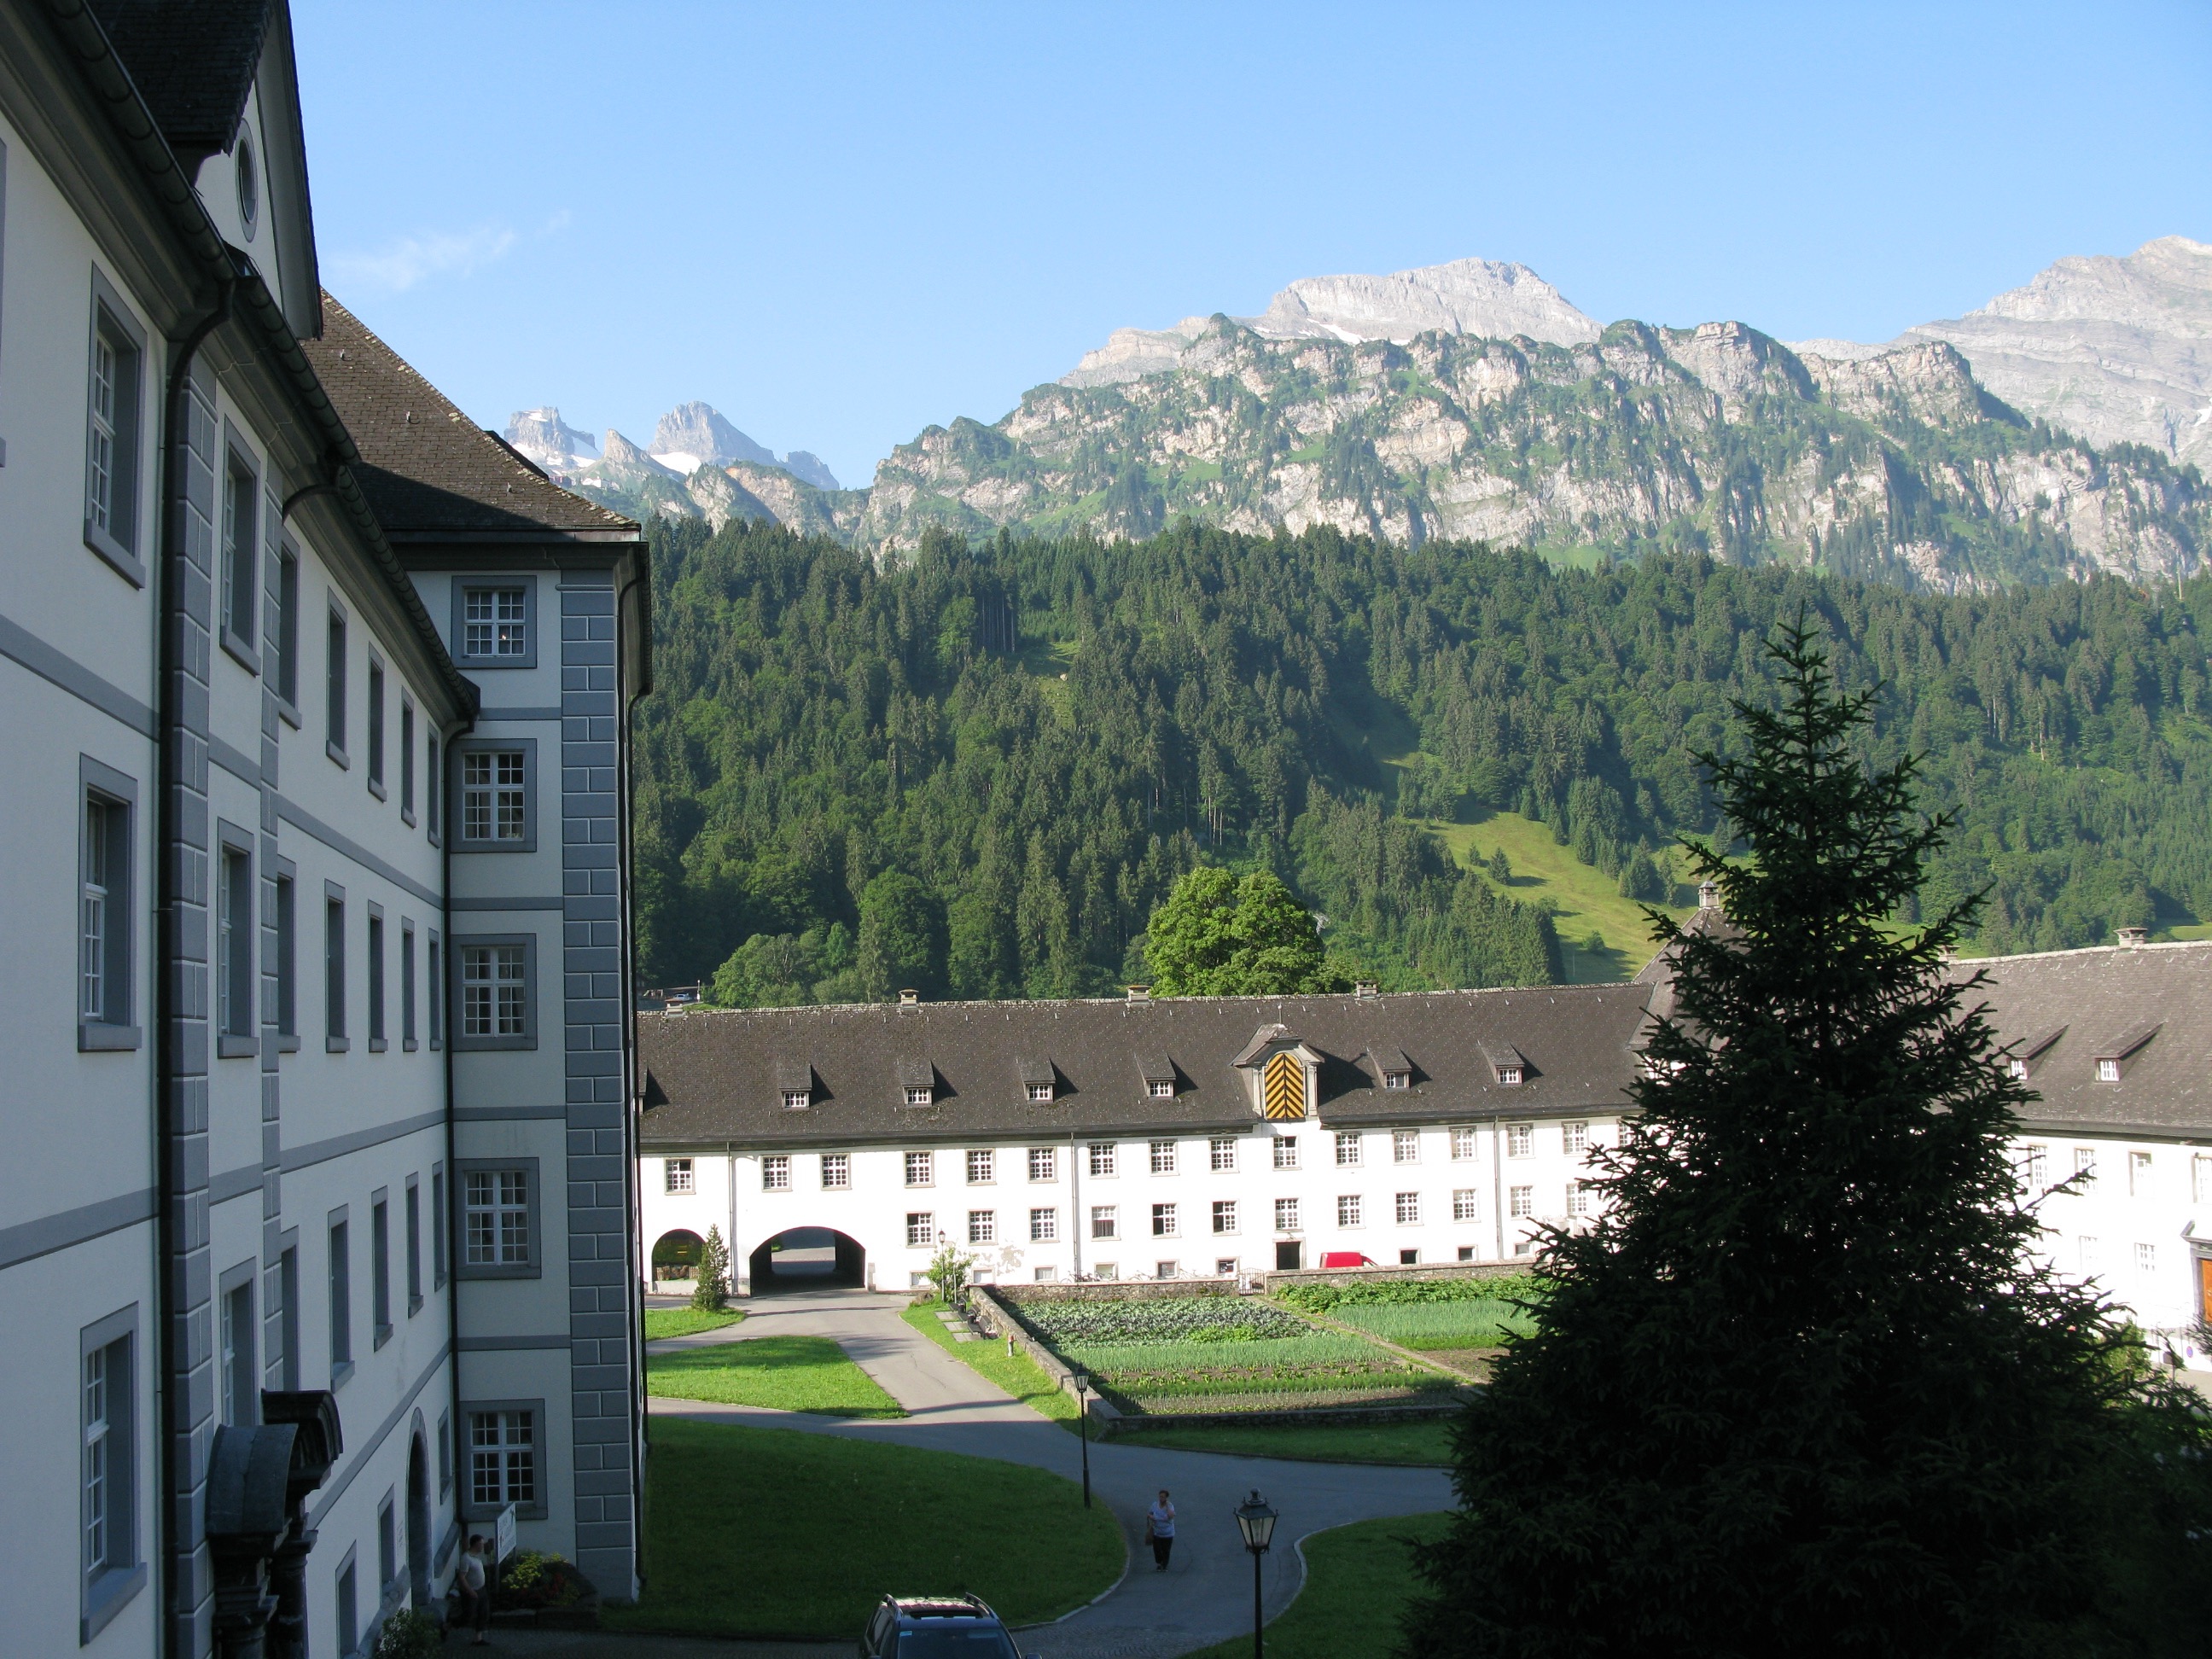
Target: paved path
{"x": 1204, "y": 1597}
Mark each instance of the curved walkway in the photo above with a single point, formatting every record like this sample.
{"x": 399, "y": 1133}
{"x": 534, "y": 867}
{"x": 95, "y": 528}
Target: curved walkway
{"x": 1205, "y": 1596}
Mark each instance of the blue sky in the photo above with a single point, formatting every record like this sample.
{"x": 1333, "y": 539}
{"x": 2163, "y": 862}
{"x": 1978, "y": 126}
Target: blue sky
{"x": 840, "y": 223}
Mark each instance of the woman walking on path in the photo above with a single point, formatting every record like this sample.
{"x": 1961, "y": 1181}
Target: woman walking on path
{"x": 1160, "y": 1530}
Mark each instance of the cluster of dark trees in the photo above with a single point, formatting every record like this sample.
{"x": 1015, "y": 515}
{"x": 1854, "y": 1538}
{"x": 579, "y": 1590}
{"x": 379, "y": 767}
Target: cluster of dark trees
{"x": 978, "y": 771}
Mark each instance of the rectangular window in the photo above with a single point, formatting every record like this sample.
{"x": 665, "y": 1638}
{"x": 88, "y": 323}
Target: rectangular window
{"x": 435, "y": 961}
{"x": 502, "y": 1459}
{"x": 1167, "y": 1270}
{"x": 1103, "y": 1222}
{"x": 920, "y": 1169}
{"x": 440, "y": 1220}
{"x": 414, "y": 1245}
{"x": 288, "y": 958}
{"x": 334, "y": 1023}
{"x": 798, "y": 1100}
{"x": 2085, "y": 1165}
{"x": 920, "y": 1228}
{"x": 2091, "y": 1257}
{"x": 494, "y": 804}
{"x": 1464, "y": 1205}
{"x": 1409, "y": 1209}
{"x": 495, "y": 624}
{"x": 1225, "y": 1215}
{"x": 675, "y": 1176}
{"x": 1161, "y": 1088}
{"x": 1102, "y": 1157}
{"x": 1164, "y": 1157}
{"x": 496, "y": 1230}
{"x": 108, "y": 1500}
{"x": 1105, "y": 1270}
{"x": 376, "y": 1043}
{"x": 775, "y": 1173}
{"x": 407, "y": 984}
{"x": 1163, "y": 1221}
{"x": 1286, "y": 1152}
{"x": 1040, "y": 1091}
{"x": 1520, "y": 1139}
{"x": 1348, "y": 1149}
{"x": 1286, "y": 1215}
{"x": 1224, "y": 1267}
{"x": 241, "y": 1389}
{"x": 1221, "y": 1153}
{"x": 980, "y": 1165}
{"x": 379, "y": 1272}
{"x": 241, "y": 558}
{"x": 433, "y": 777}
{"x": 233, "y": 947}
{"x": 407, "y": 760}
{"x": 1347, "y": 1210}
{"x": 1466, "y": 1144}
{"x": 1405, "y": 1145}
{"x": 836, "y": 1171}
{"x": 349, "y": 1610}
{"x": 919, "y": 1094}
{"x": 2200, "y": 1177}
{"x": 287, "y": 643}
{"x": 1044, "y": 1275}
{"x": 288, "y": 1317}
{"x": 2108, "y": 1070}
{"x": 982, "y": 1226}
{"x": 1578, "y": 1200}
{"x": 1044, "y": 1226}
{"x": 2146, "y": 1257}
{"x": 105, "y": 910}
{"x": 2036, "y": 1171}
{"x": 1394, "y": 1079}
{"x": 2138, "y": 1174}
{"x": 341, "y": 1300}
{"x": 444, "y": 1454}
{"x": 1574, "y": 1139}
{"x": 387, "y": 1544}
{"x": 110, "y": 485}
{"x": 1043, "y": 1164}
{"x": 495, "y": 993}
{"x": 1521, "y": 1201}
{"x": 334, "y": 690}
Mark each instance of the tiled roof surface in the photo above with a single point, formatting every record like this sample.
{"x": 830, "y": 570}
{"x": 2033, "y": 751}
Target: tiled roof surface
{"x": 193, "y": 61}
{"x": 425, "y": 467}
{"x": 711, "y": 1073}
{"x": 2068, "y": 1009}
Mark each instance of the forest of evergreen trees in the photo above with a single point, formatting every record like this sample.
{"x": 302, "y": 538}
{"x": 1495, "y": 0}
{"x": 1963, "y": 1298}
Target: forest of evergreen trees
{"x": 975, "y": 773}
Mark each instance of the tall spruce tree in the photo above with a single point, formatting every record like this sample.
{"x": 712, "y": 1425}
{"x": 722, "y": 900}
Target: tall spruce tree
{"x": 1801, "y": 1387}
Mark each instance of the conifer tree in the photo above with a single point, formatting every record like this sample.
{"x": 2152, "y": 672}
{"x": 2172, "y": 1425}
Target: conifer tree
{"x": 1800, "y": 1388}
{"x": 712, "y": 1289}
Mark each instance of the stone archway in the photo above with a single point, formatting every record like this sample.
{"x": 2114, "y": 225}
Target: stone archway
{"x": 808, "y": 1259}
{"x": 675, "y": 1257}
{"x": 418, "y": 1526}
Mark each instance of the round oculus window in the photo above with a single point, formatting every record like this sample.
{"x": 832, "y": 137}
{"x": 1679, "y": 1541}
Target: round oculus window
{"x": 249, "y": 187}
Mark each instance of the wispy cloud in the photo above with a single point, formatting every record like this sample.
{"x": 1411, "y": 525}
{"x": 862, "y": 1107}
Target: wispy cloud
{"x": 411, "y": 260}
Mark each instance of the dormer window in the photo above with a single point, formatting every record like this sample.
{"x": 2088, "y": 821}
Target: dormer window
{"x": 1040, "y": 1092}
{"x": 2016, "y": 1069}
{"x": 1506, "y": 1064}
{"x": 1397, "y": 1079}
{"x": 794, "y": 1084}
{"x": 797, "y": 1100}
{"x": 1159, "y": 1074}
{"x": 1160, "y": 1088}
{"x": 917, "y": 1081}
{"x": 919, "y": 1097}
{"x": 1040, "y": 1080}
{"x": 2108, "y": 1070}
{"x": 1509, "y": 1076}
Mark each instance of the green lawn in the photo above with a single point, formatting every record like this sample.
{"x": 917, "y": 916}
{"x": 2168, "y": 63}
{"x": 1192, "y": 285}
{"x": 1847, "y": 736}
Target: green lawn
{"x": 1427, "y": 1440}
{"x": 769, "y": 1533}
{"x": 1020, "y": 1375}
{"x": 1358, "y": 1580}
{"x": 790, "y": 1373}
{"x": 686, "y": 1321}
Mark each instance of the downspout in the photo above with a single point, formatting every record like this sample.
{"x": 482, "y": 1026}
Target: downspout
{"x": 1498, "y": 1184}
{"x": 455, "y": 1426}
{"x": 169, "y": 652}
{"x": 1075, "y": 1201}
{"x": 639, "y": 1253}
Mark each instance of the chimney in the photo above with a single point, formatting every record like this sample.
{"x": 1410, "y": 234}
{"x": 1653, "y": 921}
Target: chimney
{"x": 1365, "y": 988}
{"x": 1708, "y": 895}
{"x": 909, "y": 997}
{"x": 2132, "y": 938}
{"x": 1140, "y": 993}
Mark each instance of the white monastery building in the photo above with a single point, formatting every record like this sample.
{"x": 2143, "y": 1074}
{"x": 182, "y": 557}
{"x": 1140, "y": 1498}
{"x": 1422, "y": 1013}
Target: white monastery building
{"x": 316, "y": 1230}
{"x": 1235, "y": 1136}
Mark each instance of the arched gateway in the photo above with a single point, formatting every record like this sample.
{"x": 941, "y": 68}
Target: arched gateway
{"x": 808, "y": 1259}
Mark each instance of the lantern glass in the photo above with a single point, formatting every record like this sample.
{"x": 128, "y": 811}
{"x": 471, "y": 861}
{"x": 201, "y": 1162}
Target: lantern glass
{"x": 1256, "y": 1522}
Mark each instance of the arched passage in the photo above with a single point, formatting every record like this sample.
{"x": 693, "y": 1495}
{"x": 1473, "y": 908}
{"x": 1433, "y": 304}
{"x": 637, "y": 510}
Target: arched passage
{"x": 677, "y": 1255}
{"x": 418, "y": 1525}
{"x": 808, "y": 1259}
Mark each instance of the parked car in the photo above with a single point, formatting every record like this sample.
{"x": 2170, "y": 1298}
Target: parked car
{"x": 937, "y": 1627}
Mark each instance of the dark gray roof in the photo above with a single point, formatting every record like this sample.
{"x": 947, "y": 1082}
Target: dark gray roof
{"x": 1032, "y": 1068}
{"x": 2150, "y": 1008}
{"x": 427, "y": 469}
{"x": 708, "y": 1072}
{"x": 194, "y": 63}
{"x": 1388, "y": 1059}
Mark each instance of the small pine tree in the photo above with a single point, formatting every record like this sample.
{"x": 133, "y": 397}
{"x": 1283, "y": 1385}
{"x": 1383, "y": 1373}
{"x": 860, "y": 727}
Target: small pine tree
{"x": 712, "y": 1289}
{"x": 1802, "y": 1388}
{"x": 1501, "y": 868}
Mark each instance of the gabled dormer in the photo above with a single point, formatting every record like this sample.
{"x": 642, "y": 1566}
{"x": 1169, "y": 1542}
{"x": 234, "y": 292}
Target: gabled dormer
{"x": 1039, "y": 1078}
{"x": 1283, "y": 1074}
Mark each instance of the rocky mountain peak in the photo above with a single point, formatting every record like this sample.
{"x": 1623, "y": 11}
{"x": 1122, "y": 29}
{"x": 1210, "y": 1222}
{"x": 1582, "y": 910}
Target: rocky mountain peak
{"x": 546, "y": 439}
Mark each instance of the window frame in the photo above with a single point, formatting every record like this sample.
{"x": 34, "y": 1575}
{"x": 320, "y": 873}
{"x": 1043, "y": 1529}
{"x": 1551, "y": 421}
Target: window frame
{"x": 409, "y": 1039}
{"x": 406, "y": 759}
{"x": 127, "y": 338}
{"x": 1405, "y": 1146}
{"x": 380, "y": 1268}
{"x": 926, "y": 1161}
{"x": 1225, "y": 1216}
{"x": 457, "y": 752}
{"x": 284, "y": 641}
{"x": 102, "y": 1594}
{"x": 1351, "y": 1149}
{"x": 373, "y": 935}
{"x": 238, "y": 551}
{"x": 1467, "y": 1205}
{"x": 337, "y": 649}
{"x": 1221, "y": 1154}
{"x": 237, "y": 1387}
{"x": 671, "y": 1168}
{"x": 1166, "y": 1219}
{"x": 1405, "y": 1209}
{"x": 980, "y": 1166}
{"x": 1161, "y": 1156}
{"x": 1044, "y": 1224}
{"x": 118, "y": 792}
{"x": 283, "y": 921}
{"x": 920, "y": 1228}
{"x": 1100, "y": 1160}
{"x": 843, "y": 1163}
{"x": 434, "y": 976}
{"x": 1350, "y": 1210}
{"x": 533, "y": 1264}
{"x": 335, "y": 1038}
{"x": 235, "y": 958}
{"x": 1043, "y": 1164}
{"x": 1286, "y": 1217}
{"x": 440, "y": 1222}
{"x": 982, "y": 1226}
{"x": 1106, "y": 1217}
{"x": 373, "y": 723}
{"x": 337, "y": 1279}
{"x": 465, "y": 1499}
{"x": 459, "y": 945}
{"x": 414, "y": 1224}
{"x": 775, "y": 1172}
{"x": 457, "y": 641}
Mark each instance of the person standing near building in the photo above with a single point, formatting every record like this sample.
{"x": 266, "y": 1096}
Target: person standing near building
{"x": 1159, "y": 1528}
{"x": 475, "y": 1594}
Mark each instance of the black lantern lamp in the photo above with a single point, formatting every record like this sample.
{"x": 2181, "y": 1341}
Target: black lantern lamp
{"x": 1257, "y": 1522}
{"x": 1082, "y": 1381}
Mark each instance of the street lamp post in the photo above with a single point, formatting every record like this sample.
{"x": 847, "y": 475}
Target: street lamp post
{"x": 1082, "y": 1381}
{"x": 1257, "y": 1522}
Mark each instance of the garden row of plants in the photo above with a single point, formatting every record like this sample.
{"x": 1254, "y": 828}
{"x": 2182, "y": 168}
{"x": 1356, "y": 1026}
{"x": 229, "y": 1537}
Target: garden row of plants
{"x": 1429, "y": 1316}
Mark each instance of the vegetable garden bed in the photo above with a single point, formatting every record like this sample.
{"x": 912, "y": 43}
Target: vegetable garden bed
{"x": 1438, "y": 1315}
